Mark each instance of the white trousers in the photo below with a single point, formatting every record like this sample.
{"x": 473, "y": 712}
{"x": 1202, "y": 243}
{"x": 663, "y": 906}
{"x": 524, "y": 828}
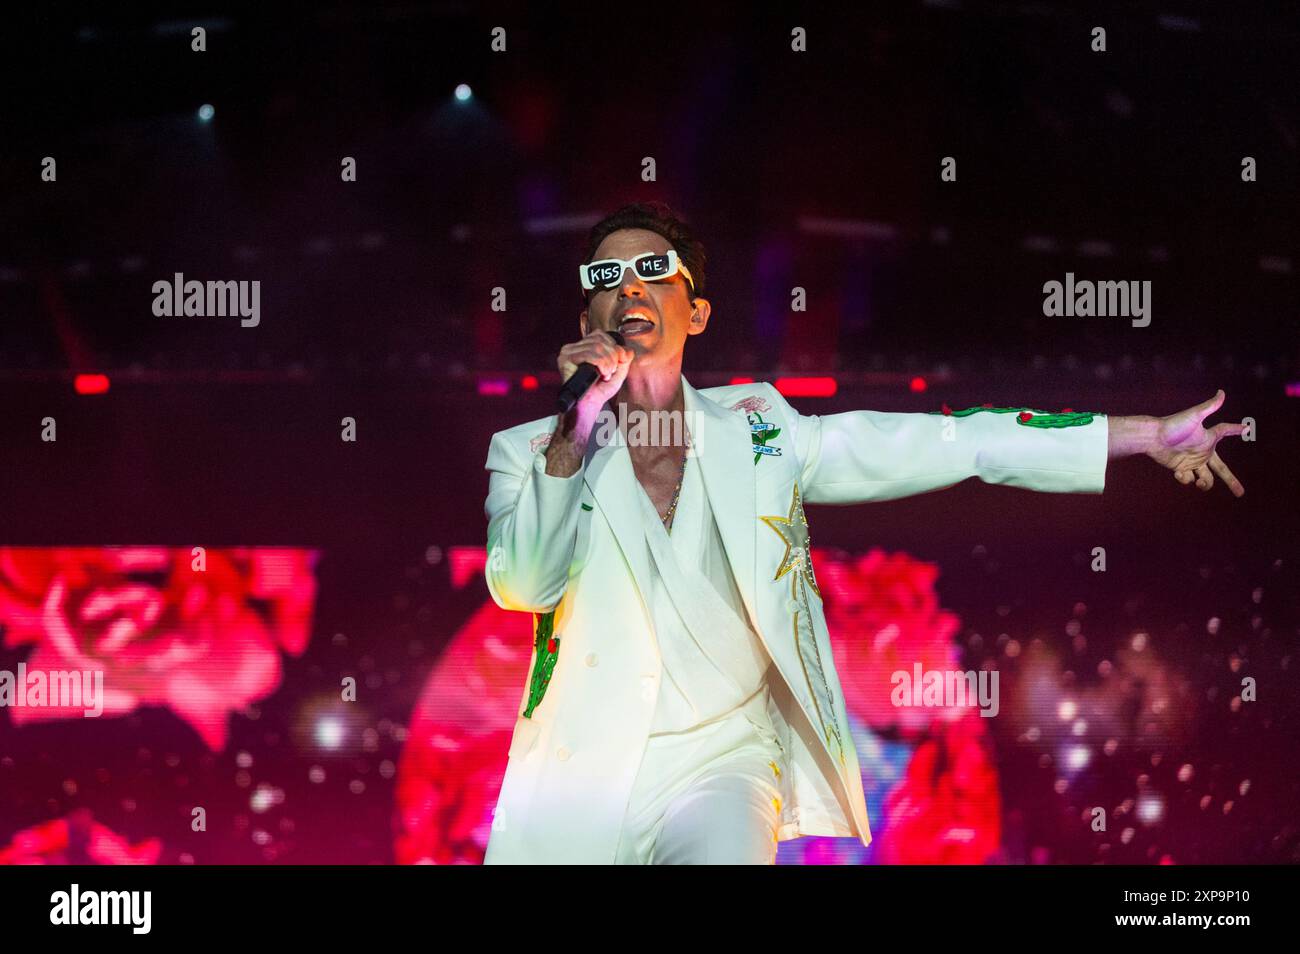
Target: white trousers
{"x": 710, "y": 795}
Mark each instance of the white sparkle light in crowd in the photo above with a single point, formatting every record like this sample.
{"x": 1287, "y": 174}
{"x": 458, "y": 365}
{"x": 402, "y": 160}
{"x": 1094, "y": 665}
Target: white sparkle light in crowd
{"x": 329, "y": 733}
{"x": 1150, "y": 808}
{"x": 265, "y": 797}
{"x": 1077, "y": 757}
{"x": 261, "y": 799}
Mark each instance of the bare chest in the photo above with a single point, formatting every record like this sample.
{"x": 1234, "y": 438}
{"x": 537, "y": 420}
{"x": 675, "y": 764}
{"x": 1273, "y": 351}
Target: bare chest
{"x": 658, "y": 469}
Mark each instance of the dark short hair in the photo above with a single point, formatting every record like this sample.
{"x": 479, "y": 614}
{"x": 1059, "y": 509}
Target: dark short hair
{"x": 655, "y": 217}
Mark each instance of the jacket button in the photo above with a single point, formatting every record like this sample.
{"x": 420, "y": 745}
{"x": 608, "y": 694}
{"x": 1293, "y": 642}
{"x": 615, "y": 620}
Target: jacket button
{"x": 792, "y": 606}
{"x": 562, "y": 754}
{"x": 591, "y": 659}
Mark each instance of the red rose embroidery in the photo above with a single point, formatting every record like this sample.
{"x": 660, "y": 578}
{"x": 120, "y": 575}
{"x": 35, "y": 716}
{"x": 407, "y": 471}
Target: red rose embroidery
{"x": 1024, "y": 416}
{"x": 752, "y": 404}
{"x": 204, "y": 644}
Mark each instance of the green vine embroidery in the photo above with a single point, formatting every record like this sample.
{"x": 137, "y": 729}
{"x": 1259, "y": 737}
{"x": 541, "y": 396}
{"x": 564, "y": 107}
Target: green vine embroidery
{"x": 1029, "y": 416}
{"x": 760, "y": 433}
{"x": 547, "y": 648}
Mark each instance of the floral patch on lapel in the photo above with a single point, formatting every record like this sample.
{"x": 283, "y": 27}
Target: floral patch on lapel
{"x": 761, "y": 432}
{"x": 1029, "y": 416}
{"x": 538, "y": 442}
{"x": 753, "y": 403}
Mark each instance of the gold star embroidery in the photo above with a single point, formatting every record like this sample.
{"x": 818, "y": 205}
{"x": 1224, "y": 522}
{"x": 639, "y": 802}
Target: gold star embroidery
{"x": 793, "y": 529}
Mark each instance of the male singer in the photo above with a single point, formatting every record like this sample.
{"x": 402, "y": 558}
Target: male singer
{"x": 682, "y": 704}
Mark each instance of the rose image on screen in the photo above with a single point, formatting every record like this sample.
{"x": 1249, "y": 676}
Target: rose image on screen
{"x": 947, "y": 810}
{"x": 884, "y": 617}
{"x": 200, "y": 634}
{"x": 77, "y": 839}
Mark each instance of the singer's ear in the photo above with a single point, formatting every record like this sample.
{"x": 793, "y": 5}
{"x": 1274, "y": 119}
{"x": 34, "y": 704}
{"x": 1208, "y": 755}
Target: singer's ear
{"x": 700, "y": 309}
{"x": 582, "y": 322}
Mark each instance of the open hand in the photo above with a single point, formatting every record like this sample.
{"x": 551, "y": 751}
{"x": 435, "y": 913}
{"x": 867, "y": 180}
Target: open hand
{"x": 1186, "y": 447}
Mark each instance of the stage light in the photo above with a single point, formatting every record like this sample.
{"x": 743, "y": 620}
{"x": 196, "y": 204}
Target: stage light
{"x": 206, "y": 112}
{"x": 806, "y": 387}
{"x": 918, "y": 384}
{"x": 91, "y": 383}
{"x": 463, "y": 93}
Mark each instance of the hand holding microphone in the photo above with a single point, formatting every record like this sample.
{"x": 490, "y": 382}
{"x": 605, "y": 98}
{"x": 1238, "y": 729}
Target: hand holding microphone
{"x": 593, "y": 369}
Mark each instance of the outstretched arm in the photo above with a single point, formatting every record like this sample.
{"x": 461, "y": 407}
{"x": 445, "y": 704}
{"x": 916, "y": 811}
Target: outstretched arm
{"x": 1179, "y": 442}
{"x": 859, "y": 456}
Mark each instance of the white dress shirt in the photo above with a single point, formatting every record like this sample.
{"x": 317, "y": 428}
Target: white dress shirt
{"x": 714, "y": 661}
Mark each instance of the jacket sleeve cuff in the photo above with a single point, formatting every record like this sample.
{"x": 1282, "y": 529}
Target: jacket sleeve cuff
{"x": 1059, "y": 460}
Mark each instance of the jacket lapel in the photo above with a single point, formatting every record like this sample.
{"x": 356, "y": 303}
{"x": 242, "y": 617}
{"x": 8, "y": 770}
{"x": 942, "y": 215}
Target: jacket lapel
{"x": 613, "y": 485}
{"x": 726, "y": 458}
{"x": 724, "y": 454}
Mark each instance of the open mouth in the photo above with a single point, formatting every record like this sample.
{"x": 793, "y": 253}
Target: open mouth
{"x": 635, "y": 323}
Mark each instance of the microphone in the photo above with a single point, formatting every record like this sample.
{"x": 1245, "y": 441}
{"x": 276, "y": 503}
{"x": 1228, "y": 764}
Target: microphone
{"x": 582, "y": 379}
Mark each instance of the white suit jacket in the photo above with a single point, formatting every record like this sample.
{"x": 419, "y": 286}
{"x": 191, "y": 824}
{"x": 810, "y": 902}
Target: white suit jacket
{"x": 571, "y": 551}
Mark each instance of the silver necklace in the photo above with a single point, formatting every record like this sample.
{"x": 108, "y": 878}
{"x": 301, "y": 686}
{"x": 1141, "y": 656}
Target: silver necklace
{"x": 677, "y": 491}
